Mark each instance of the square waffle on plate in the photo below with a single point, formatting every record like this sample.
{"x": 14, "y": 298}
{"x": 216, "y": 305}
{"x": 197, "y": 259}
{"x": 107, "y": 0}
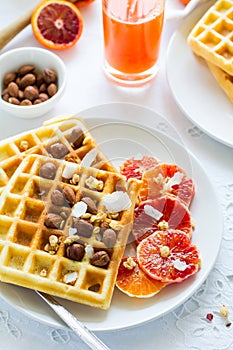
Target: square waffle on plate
{"x": 212, "y": 37}
{"x": 64, "y": 227}
{"x": 62, "y": 138}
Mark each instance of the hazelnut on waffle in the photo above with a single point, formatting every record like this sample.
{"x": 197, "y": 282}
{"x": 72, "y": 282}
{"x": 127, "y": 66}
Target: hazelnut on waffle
{"x": 212, "y": 38}
{"x": 224, "y": 80}
{"x": 64, "y": 228}
{"x": 61, "y": 138}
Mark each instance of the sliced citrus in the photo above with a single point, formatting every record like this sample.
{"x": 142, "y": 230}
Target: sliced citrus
{"x": 168, "y": 256}
{"x": 167, "y": 179}
{"x": 161, "y": 213}
{"x": 135, "y": 168}
{"x": 57, "y": 24}
{"x": 133, "y": 281}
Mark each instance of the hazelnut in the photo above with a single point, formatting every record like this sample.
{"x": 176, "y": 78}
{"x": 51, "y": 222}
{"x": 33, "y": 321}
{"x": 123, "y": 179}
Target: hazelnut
{"x": 52, "y": 220}
{"x": 25, "y": 69}
{"x": 9, "y": 77}
{"x": 26, "y": 102}
{"x": 100, "y": 259}
{"x": 57, "y": 197}
{"x": 31, "y": 92}
{"x": 75, "y": 251}
{"x": 77, "y": 136}
{"x": 28, "y": 79}
{"x": 58, "y": 150}
{"x": 109, "y": 238}
{"x": 43, "y": 96}
{"x": 91, "y": 206}
{"x": 52, "y": 89}
{"x": 48, "y": 170}
{"x": 83, "y": 227}
{"x": 69, "y": 194}
{"x": 13, "y": 100}
{"x": 13, "y": 89}
{"x": 49, "y": 75}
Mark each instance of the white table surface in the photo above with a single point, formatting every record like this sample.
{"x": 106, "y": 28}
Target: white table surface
{"x": 184, "y": 327}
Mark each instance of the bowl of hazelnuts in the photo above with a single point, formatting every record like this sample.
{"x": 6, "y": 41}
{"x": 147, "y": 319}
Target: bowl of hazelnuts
{"x": 32, "y": 80}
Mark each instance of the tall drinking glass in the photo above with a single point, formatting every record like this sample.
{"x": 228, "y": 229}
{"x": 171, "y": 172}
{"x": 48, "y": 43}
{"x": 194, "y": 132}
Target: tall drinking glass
{"x": 132, "y": 34}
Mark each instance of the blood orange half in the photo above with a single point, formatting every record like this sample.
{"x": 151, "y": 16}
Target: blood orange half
{"x": 167, "y": 179}
{"x": 168, "y": 256}
{"x": 81, "y": 3}
{"x": 134, "y": 282}
{"x": 136, "y": 167}
{"x": 162, "y": 213}
{"x": 57, "y": 24}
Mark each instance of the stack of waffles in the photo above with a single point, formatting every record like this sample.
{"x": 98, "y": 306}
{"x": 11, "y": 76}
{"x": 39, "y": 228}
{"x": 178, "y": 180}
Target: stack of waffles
{"x": 64, "y": 223}
{"x": 212, "y": 39}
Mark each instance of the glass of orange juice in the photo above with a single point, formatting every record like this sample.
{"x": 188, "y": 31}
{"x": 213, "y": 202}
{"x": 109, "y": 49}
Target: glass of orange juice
{"x": 132, "y": 34}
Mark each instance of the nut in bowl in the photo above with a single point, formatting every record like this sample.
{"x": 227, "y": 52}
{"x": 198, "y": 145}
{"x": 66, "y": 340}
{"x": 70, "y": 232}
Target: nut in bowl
{"x": 32, "y": 81}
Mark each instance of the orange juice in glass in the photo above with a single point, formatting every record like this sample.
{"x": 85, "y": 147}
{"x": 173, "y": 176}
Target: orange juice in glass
{"x": 132, "y": 34}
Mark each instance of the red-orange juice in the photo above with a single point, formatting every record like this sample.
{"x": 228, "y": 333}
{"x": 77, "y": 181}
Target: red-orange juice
{"x": 132, "y": 33}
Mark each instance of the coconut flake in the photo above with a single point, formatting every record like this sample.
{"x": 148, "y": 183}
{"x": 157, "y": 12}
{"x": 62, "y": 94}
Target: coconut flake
{"x": 116, "y": 202}
{"x": 174, "y": 180}
{"x": 89, "y": 158}
{"x": 154, "y": 213}
{"x": 72, "y": 231}
{"x": 89, "y": 251}
{"x": 69, "y": 170}
{"x": 70, "y": 277}
{"x": 79, "y": 209}
{"x": 180, "y": 265}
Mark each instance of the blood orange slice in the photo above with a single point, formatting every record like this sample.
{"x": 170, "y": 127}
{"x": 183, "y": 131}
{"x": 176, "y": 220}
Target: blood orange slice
{"x": 168, "y": 256}
{"x": 133, "y": 281}
{"x": 57, "y": 24}
{"x": 161, "y": 213}
{"x": 167, "y": 179}
{"x": 135, "y": 168}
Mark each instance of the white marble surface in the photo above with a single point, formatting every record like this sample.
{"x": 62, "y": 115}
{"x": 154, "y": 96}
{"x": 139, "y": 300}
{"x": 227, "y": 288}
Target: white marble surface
{"x": 185, "y": 327}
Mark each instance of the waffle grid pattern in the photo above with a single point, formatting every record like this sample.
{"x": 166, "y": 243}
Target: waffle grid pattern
{"x": 23, "y": 234}
{"x": 212, "y": 37}
{"x": 39, "y": 141}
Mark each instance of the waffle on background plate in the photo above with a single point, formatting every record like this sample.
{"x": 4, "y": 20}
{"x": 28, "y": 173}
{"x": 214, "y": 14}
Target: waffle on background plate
{"x": 64, "y": 227}
{"x": 63, "y": 138}
{"x": 212, "y": 39}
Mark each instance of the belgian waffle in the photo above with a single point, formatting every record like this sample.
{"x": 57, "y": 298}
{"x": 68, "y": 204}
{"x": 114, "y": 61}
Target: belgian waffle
{"x": 224, "y": 80}
{"x": 53, "y": 221}
{"x": 64, "y": 138}
{"x": 212, "y": 37}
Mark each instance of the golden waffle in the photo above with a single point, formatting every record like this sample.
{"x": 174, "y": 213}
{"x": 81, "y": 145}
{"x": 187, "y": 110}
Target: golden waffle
{"x": 44, "y": 242}
{"x": 64, "y": 138}
{"x": 212, "y": 37}
{"x": 224, "y": 80}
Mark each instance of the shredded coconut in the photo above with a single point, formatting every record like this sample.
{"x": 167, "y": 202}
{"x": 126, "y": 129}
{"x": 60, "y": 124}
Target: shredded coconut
{"x": 174, "y": 180}
{"x": 180, "y": 265}
{"x": 89, "y": 251}
{"x": 69, "y": 170}
{"x": 89, "y": 158}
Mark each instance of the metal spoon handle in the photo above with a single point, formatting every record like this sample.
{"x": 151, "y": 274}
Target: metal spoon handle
{"x": 80, "y": 329}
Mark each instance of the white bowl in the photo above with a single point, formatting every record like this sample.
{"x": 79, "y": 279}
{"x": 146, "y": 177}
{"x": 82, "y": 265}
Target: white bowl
{"x": 11, "y": 60}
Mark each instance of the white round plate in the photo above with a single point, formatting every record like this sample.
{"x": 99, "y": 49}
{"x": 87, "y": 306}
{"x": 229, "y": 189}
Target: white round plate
{"x": 120, "y": 138}
{"x": 194, "y": 88}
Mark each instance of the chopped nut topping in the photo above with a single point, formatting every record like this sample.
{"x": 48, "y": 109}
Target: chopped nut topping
{"x": 24, "y": 145}
{"x": 115, "y": 225}
{"x": 75, "y": 179}
{"x": 224, "y": 311}
{"x": 85, "y": 216}
{"x": 101, "y": 216}
{"x": 86, "y": 140}
{"x": 164, "y": 251}
{"x": 113, "y": 215}
{"x": 71, "y": 239}
{"x": 53, "y": 240}
{"x": 43, "y": 272}
{"x": 94, "y": 184}
{"x": 96, "y": 230}
{"x": 163, "y": 225}
{"x": 129, "y": 263}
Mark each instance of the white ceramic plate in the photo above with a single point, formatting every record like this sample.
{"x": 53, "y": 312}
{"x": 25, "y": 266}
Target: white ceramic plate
{"x": 120, "y": 139}
{"x": 194, "y": 88}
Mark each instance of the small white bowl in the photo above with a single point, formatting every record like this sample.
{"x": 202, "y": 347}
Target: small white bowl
{"x": 11, "y": 60}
